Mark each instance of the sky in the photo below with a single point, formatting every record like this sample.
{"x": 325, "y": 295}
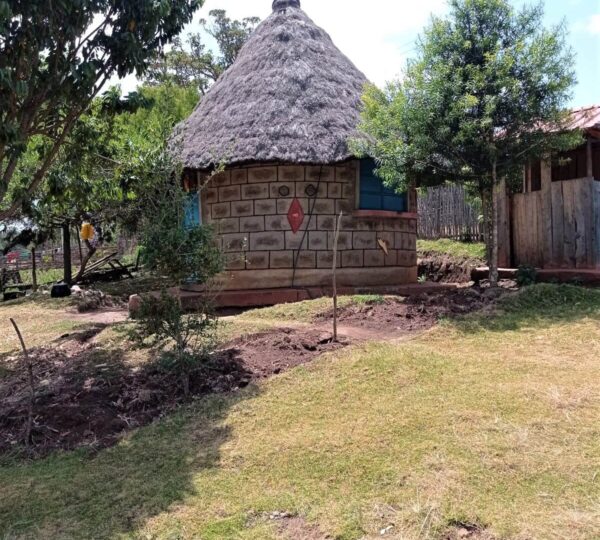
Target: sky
{"x": 379, "y": 35}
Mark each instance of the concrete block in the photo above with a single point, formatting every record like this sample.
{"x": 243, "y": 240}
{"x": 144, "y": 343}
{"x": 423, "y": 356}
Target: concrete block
{"x": 283, "y": 205}
{"x": 352, "y": 259}
{"x": 255, "y": 191}
{"x": 326, "y": 174}
{"x": 349, "y": 190}
{"x": 293, "y": 240}
{"x": 293, "y": 173}
{"x": 276, "y": 187}
{"x": 229, "y": 193}
{"x": 277, "y": 223}
{"x": 210, "y": 195}
{"x": 324, "y": 206}
{"x": 239, "y": 176}
{"x": 257, "y": 260}
{"x": 228, "y": 226}
{"x": 252, "y": 224}
{"x": 345, "y": 173}
{"x": 391, "y": 259}
{"x": 235, "y": 261}
{"x": 326, "y": 223}
{"x": 281, "y": 259}
{"x": 221, "y": 179}
{"x": 301, "y": 189}
{"x": 265, "y": 207}
{"x": 242, "y": 208}
{"x": 334, "y": 190}
{"x": 317, "y": 240}
{"x": 364, "y": 240}
{"x": 344, "y": 240}
{"x": 220, "y": 211}
{"x": 235, "y": 243}
{"x": 344, "y": 206}
{"x": 267, "y": 241}
{"x": 374, "y": 257}
{"x": 306, "y": 259}
{"x": 325, "y": 259}
{"x": 407, "y": 258}
{"x": 262, "y": 174}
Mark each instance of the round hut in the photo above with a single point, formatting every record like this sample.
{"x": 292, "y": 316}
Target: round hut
{"x": 278, "y": 123}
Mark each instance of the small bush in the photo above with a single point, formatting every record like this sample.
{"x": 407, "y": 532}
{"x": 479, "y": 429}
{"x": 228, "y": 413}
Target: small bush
{"x": 185, "y": 340}
{"x": 526, "y": 276}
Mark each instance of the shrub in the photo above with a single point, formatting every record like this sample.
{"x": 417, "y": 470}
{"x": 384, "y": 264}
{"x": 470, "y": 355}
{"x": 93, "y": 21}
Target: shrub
{"x": 526, "y": 276}
{"x": 185, "y": 340}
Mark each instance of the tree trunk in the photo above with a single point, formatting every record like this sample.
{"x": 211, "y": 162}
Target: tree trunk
{"x": 84, "y": 262}
{"x": 494, "y": 242}
{"x": 29, "y": 424}
{"x": 68, "y": 268}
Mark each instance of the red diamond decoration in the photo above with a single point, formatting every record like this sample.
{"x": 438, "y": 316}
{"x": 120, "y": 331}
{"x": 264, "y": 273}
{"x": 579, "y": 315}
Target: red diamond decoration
{"x": 295, "y": 215}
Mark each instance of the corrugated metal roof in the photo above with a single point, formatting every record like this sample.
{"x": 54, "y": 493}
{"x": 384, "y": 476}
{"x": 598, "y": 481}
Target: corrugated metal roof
{"x": 586, "y": 118}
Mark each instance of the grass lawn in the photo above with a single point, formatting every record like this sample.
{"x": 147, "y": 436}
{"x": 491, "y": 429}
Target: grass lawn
{"x": 468, "y": 250}
{"x": 491, "y": 421}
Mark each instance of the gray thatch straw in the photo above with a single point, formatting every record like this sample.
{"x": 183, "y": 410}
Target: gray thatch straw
{"x": 291, "y": 96}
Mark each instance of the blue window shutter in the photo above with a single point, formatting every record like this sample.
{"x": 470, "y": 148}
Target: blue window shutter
{"x": 192, "y": 210}
{"x": 373, "y": 193}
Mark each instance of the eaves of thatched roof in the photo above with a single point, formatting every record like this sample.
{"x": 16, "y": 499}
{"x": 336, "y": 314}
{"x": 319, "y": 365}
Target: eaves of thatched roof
{"x": 291, "y": 96}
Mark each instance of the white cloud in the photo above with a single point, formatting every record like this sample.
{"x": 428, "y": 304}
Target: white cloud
{"x": 377, "y": 37}
{"x": 593, "y": 26}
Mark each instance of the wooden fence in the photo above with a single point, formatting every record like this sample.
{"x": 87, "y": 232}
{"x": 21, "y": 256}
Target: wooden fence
{"x": 559, "y": 226}
{"x": 446, "y": 212}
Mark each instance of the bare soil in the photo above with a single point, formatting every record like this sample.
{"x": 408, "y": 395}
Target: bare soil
{"x": 395, "y": 317}
{"x": 440, "y": 268}
{"x": 90, "y": 397}
{"x": 87, "y": 396}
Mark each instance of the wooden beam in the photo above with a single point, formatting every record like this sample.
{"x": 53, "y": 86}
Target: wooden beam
{"x": 590, "y": 159}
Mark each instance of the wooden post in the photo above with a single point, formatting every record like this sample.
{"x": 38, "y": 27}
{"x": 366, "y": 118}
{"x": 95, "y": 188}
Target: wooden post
{"x": 590, "y": 159}
{"x": 34, "y": 270}
{"x": 335, "y": 252}
{"x": 68, "y": 267}
{"x": 547, "y": 243}
{"x": 29, "y": 425}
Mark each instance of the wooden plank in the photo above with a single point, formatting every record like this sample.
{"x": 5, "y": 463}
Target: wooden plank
{"x": 569, "y": 230}
{"x": 596, "y": 229}
{"x": 581, "y": 206}
{"x": 517, "y": 227}
{"x": 546, "y": 215}
{"x": 558, "y": 225}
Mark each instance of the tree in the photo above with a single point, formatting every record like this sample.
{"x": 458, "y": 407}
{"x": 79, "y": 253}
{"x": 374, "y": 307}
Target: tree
{"x": 486, "y": 94}
{"x": 55, "y": 57}
{"x": 197, "y": 66}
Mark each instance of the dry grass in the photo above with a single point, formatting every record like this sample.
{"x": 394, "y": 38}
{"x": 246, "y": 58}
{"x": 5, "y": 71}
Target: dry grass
{"x": 493, "y": 422}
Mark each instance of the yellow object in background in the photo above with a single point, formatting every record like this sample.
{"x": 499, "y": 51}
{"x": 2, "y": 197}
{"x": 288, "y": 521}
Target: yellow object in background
{"x": 87, "y": 231}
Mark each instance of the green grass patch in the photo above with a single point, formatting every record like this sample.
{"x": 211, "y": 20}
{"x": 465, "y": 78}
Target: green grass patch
{"x": 492, "y": 427}
{"x": 307, "y": 311}
{"x": 469, "y": 250}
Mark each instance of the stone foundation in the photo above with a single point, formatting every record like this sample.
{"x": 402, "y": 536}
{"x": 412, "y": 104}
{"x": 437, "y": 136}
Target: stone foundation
{"x": 248, "y": 207}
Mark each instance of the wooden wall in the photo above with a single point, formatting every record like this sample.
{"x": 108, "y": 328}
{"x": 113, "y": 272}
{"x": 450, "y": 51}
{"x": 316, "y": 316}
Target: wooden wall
{"x": 559, "y": 226}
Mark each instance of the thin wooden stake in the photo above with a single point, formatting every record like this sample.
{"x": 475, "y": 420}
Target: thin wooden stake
{"x": 335, "y": 299}
{"x": 29, "y": 425}
{"x": 34, "y": 270}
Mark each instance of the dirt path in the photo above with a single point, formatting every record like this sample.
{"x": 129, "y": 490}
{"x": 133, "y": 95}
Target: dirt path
{"x": 105, "y": 316}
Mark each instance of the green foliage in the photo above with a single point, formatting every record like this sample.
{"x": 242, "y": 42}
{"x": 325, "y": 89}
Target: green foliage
{"x": 488, "y": 84}
{"x": 185, "y": 340}
{"x": 167, "y": 246}
{"x": 196, "y": 66}
{"x": 526, "y": 276}
{"x": 54, "y": 59}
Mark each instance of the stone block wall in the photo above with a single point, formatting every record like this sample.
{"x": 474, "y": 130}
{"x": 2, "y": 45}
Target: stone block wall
{"x": 248, "y": 207}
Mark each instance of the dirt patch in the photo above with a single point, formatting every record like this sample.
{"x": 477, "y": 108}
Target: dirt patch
{"x": 90, "y": 397}
{"x": 296, "y": 528}
{"x": 397, "y": 316}
{"x": 468, "y": 531}
{"x": 440, "y": 268}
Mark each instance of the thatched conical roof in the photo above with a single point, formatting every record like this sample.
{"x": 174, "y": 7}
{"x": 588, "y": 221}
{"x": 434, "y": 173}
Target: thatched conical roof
{"x": 291, "y": 96}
